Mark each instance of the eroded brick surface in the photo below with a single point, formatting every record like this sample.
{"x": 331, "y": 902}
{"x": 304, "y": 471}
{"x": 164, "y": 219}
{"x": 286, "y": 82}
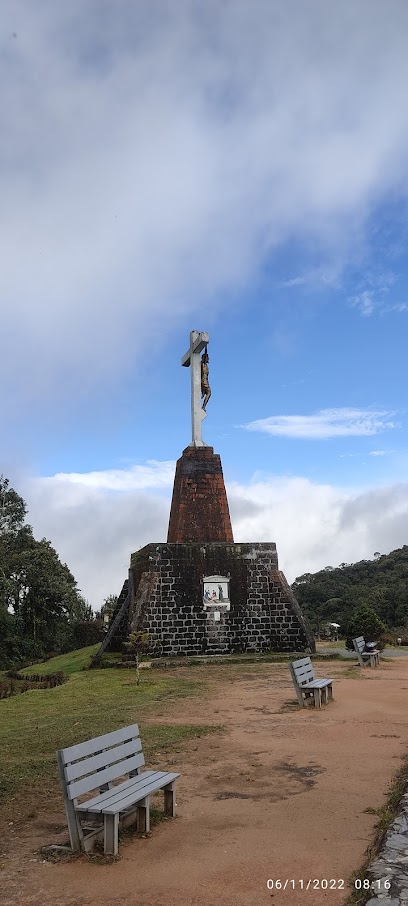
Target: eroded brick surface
{"x": 199, "y": 508}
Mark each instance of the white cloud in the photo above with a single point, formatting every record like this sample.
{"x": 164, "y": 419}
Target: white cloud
{"x": 150, "y": 159}
{"x": 95, "y": 528}
{"x": 369, "y": 301}
{"x": 316, "y": 277}
{"x": 365, "y": 302}
{"x": 151, "y": 475}
{"x": 326, "y": 423}
{"x": 372, "y": 297}
{"x": 398, "y": 307}
{"x": 380, "y": 452}
{"x": 295, "y": 281}
{"x": 96, "y": 523}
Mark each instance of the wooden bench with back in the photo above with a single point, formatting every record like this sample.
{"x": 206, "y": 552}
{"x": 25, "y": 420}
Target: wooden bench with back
{"x": 307, "y": 686}
{"x": 97, "y": 769}
{"x": 366, "y": 657}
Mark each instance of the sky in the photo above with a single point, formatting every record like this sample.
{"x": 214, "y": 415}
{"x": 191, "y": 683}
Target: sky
{"x": 231, "y": 167}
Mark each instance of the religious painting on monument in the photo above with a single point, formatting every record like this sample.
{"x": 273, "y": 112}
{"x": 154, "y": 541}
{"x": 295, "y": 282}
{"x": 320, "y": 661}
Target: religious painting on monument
{"x": 216, "y": 593}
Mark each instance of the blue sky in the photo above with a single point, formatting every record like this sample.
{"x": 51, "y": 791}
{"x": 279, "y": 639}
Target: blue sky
{"x": 229, "y": 167}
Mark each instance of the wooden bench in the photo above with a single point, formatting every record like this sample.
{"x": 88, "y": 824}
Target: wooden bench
{"x": 97, "y": 769}
{"x": 307, "y": 686}
{"x": 366, "y": 657}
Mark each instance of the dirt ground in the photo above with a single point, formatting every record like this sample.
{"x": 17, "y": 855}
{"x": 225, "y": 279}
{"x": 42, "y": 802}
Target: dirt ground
{"x": 280, "y": 795}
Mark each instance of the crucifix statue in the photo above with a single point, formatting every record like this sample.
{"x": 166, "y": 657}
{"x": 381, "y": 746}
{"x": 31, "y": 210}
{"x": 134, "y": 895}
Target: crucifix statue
{"x": 200, "y": 388}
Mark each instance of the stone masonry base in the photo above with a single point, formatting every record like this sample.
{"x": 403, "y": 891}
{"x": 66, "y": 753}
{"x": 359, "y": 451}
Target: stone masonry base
{"x": 168, "y": 581}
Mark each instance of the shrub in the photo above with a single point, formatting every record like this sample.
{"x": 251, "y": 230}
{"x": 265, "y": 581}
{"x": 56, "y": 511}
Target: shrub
{"x": 365, "y": 622}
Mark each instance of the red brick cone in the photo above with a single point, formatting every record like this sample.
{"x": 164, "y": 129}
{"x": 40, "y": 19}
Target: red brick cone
{"x": 199, "y": 508}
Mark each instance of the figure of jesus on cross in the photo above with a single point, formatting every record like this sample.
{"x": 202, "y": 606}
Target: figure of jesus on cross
{"x": 200, "y": 387}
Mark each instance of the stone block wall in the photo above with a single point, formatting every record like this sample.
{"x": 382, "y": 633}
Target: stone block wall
{"x": 168, "y": 600}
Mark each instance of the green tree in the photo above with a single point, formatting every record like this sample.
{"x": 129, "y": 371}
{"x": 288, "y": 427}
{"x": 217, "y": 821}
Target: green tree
{"x": 109, "y": 605}
{"x": 81, "y": 610}
{"x": 12, "y": 515}
{"x": 44, "y": 592}
{"x": 39, "y": 598}
{"x": 381, "y": 583}
{"x": 365, "y": 622}
{"x": 13, "y": 509}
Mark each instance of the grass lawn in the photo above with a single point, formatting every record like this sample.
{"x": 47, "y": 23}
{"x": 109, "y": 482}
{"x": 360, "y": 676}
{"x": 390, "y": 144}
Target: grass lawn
{"x": 68, "y": 663}
{"x": 329, "y": 643}
{"x": 34, "y": 725}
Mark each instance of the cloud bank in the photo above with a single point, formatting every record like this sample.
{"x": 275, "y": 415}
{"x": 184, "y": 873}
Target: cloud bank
{"x": 327, "y": 423}
{"x": 95, "y": 528}
{"x": 153, "y": 157}
{"x": 151, "y": 475}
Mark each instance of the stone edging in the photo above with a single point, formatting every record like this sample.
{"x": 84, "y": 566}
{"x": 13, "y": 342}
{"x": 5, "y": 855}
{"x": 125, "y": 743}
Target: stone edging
{"x": 391, "y": 864}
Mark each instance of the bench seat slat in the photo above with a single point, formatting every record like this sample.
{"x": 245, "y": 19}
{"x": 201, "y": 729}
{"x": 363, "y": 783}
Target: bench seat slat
{"x": 92, "y": 781}
{"x": 82, "y": 749}
{"x": 130, "y": 799}
{"x": 122, "y": 797}
{"x": 95, "y": 762}
{"x": 316, "y": 684}
{"x": 106, "y": 796}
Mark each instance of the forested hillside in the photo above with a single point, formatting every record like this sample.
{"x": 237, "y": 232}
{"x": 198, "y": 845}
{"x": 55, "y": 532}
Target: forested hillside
{"x": 41, "y": 608}
{"x": 335, "y": 594}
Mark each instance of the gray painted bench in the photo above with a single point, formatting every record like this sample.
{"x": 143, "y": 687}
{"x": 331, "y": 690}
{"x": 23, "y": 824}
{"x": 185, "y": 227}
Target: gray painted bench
{"x": 90, "y": 769}
{"x": 307, "y": 686}
{"x": 365, "y": 657}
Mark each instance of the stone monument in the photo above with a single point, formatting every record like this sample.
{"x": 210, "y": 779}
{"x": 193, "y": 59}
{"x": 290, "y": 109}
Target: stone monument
{"x": 201, "y": 593}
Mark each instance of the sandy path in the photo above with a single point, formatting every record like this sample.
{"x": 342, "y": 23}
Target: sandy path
{"x": 280, "y": 795}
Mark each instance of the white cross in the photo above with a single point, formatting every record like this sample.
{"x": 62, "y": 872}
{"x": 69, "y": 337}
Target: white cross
{"x": 198, "y": 341}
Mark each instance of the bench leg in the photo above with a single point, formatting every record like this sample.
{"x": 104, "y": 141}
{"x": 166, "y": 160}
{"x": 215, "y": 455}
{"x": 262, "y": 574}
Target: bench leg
{"x": 317, "y": 698}
{"x": 330, "y": 692}
{"x": 73, "y": 820}
{"x": 170, "y": 799}
{"x": 298, "y": 689}
{"x": 111, "y": 837}
{"x": 143, "y": 815}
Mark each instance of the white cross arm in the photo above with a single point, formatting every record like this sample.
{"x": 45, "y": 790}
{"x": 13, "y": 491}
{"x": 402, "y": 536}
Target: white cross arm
{"x": 198, "y": 341}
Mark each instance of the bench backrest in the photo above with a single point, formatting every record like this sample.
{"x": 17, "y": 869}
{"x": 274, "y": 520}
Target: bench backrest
{"x": 302, "y": 671}
{"x": 93, "y": 764}
{"x": 359, "y": 644}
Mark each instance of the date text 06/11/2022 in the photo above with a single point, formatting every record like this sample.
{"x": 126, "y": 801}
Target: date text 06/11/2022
{"x": 306, "y": 884}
